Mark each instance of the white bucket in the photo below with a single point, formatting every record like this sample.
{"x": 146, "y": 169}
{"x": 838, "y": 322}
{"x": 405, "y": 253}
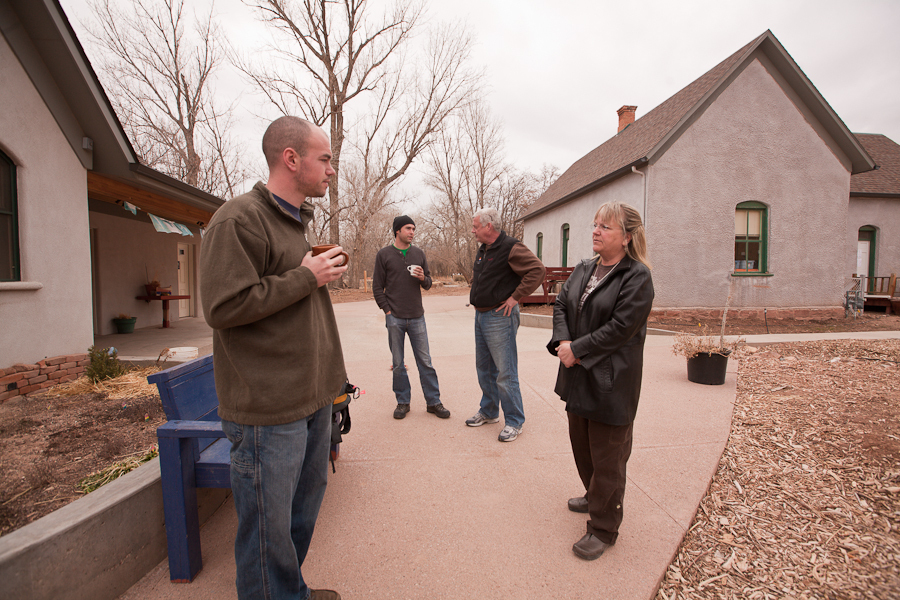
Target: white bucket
{"x": 183, "y": 353}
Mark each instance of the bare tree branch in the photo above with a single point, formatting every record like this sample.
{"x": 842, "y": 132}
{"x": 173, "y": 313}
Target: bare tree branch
{"x": 334, "y": 55}
{"x": 159, "y": 79}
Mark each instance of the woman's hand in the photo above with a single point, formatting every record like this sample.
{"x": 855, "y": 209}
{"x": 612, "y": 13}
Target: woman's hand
{"x": 564, "y": 352}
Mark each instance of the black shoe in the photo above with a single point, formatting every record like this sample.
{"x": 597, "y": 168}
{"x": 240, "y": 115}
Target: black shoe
{"x": 579, "y": 505}
{"x": 401, "y": 411}
{"x": 439, "y": 410}
{"x": 590, "y": 547}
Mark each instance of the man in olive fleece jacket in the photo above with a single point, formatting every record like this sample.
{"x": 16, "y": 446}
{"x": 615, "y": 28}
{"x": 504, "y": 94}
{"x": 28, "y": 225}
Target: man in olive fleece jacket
{"x": 277, "y": 357}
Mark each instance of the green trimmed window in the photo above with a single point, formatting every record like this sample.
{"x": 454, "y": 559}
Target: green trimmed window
{"x": 540, "y": 246}
{"x": 9, "y": 233}
{"x": 750, "y": 238}
{"x": 565, "y": 244}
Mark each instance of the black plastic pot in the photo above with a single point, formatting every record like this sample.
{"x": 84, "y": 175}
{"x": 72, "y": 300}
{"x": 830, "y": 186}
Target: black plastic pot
{"x": 708, "y": 369}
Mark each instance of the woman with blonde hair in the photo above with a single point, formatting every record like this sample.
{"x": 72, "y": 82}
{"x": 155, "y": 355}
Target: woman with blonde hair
{"x": 599, "y": 326}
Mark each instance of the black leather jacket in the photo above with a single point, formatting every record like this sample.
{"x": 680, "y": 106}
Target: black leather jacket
{"x": 608, "y": 338}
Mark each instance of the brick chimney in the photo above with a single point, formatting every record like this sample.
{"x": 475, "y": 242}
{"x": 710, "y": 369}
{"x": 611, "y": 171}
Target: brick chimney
{"x": 626, "y": 116}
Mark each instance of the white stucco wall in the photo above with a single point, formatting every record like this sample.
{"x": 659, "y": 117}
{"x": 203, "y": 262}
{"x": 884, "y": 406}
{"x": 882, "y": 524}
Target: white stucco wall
{"x": 751, "y": 144}
{"x": 127, "y": 249}
{"x": 579, "y": 214}
{"x": 884, "y": 215}
{"x": 54, "y": 247}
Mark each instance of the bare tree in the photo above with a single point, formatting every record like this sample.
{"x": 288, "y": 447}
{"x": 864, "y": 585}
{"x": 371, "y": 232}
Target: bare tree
{"x": 517, "y": 191}
{"x": 450, "y": 214}
{"x": 467, "y": 169}
{"x": 160, "y": 85}
{"x": 367, "y": 226}
{"x": 334, "y": 53}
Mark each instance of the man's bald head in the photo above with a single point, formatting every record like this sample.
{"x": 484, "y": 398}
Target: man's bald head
{"x": 286, "y": 132}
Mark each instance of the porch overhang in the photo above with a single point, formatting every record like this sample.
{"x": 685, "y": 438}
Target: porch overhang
{"x": 114, "y": 191}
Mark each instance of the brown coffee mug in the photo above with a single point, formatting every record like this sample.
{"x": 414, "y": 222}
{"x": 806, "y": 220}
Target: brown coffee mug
{"x": 316, "y": 250}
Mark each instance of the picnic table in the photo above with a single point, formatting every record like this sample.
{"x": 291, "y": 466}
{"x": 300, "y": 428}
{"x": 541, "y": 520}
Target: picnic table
{"x": 552, "y": 277}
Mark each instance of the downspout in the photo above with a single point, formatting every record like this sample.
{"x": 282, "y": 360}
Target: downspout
{"x": 644, "y": 182}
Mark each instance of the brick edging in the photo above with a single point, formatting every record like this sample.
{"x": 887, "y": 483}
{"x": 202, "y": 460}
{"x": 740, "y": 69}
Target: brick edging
{"x": 800, "y": 314}
{"x": 21, "y": 379}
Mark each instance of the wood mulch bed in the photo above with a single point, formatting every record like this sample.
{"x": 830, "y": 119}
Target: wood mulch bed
{"x": 806, "y": 500}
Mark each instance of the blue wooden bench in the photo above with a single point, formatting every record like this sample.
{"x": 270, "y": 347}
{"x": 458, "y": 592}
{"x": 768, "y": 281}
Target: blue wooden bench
{"x": 193, "y": 453}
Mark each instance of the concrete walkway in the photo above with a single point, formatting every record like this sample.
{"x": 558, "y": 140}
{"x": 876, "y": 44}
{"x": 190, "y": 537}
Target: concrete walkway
{"x": 425, "y": 508}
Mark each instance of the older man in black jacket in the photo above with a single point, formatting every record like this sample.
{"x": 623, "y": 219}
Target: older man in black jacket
{"x": 505, "y": 272}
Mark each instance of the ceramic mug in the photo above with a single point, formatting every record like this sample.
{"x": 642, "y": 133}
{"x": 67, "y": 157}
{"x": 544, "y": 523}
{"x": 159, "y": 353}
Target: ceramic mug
{"x": 412, "y": 269}
{"x": 316, "y": 250}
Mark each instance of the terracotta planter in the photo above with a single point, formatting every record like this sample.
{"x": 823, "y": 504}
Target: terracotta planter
{"x": 708, "y": 369}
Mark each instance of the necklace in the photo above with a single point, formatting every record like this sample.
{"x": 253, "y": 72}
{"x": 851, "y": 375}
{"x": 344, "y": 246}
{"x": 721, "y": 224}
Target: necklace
{"x": 594, "y": 283}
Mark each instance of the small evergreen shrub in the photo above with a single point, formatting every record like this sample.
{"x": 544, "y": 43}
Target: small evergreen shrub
{"x": 104, "y": 364}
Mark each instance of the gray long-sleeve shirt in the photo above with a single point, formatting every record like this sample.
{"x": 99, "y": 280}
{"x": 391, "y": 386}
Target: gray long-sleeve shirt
{"x": 395, "y": 290}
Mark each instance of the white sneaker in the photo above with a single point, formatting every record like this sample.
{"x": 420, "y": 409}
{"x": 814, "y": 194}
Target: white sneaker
{"x": 509, "y": 433}
{"x": 479, "y": 419}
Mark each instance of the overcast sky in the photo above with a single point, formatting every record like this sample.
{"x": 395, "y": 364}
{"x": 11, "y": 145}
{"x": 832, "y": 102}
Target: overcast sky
{"x": 558, "y": 70}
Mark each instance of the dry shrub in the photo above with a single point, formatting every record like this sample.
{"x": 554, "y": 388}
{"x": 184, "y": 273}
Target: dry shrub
{"x": 689, "y": 345}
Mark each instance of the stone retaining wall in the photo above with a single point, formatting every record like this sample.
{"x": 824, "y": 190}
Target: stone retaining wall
{"x": 98, "y": 546}
{"x": 21, "y": 379}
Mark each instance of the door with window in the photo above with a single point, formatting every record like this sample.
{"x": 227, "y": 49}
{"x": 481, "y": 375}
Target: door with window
{"x": 865, "y": 252}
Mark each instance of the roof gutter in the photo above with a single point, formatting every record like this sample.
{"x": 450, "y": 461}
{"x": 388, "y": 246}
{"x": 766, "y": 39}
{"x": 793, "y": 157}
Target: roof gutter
{"x": 874, "y": 195}
{"x": 589, "y": 188}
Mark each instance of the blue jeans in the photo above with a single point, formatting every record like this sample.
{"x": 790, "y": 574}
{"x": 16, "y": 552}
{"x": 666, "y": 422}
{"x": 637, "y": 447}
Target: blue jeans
{"x": 418, "y": 339}
{"x": 278, "y": 478}
{"x": 497, "y": 365}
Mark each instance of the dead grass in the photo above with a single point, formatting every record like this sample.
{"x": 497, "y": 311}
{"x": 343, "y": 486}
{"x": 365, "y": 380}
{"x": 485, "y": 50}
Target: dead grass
{"x": 130, "y": 385}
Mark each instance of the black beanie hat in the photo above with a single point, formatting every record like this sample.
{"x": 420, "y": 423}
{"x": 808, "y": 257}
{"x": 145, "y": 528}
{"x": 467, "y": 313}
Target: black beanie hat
{"x": 400, "y": 221}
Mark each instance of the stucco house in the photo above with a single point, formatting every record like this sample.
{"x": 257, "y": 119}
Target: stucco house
{"x": 71, "y": 256}
{"x": 742, "y": 179}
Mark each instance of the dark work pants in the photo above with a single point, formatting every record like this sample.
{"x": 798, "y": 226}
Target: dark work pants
{"x": 601, "y": 452}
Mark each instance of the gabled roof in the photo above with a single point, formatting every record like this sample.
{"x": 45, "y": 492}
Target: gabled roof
{"x": 42, "y": 39}
{"x": 885, "y": 180}
{"x": 652, "y": 134}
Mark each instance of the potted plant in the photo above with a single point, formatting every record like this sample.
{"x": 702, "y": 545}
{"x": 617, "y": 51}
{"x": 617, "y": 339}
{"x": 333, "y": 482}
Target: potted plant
{"x": 124, "y": 323}
{"x": 707, "y": 356}
{"x": 153, "y": 284}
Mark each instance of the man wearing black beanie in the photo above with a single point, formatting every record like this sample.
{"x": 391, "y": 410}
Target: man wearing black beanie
{"x": 401, "y": 272}
{"x": 400, "y": 221}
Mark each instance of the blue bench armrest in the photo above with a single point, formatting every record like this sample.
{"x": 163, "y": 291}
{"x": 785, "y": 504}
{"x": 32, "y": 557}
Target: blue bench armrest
{"x": 191, "y": 429}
